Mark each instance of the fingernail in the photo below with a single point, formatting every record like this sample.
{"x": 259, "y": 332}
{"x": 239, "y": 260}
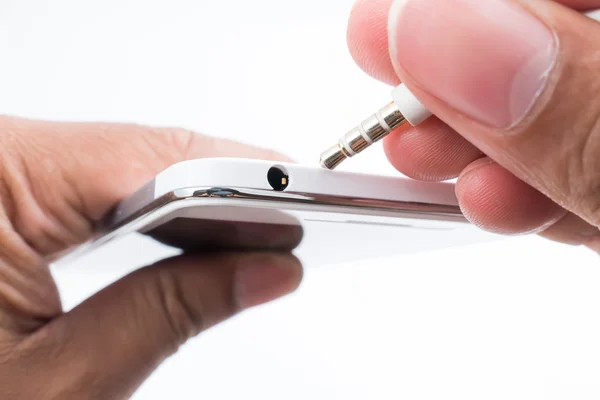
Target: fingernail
{"x": 263, "y": 278}
{"x": 488, "y": 59}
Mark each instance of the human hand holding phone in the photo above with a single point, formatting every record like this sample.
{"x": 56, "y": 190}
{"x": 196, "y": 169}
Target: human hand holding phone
{"x": 56, "y": 180}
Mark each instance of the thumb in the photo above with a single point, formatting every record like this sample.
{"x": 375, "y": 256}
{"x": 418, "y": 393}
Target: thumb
{"x": 109, "y": 344}
{"x": 517, "y": 79}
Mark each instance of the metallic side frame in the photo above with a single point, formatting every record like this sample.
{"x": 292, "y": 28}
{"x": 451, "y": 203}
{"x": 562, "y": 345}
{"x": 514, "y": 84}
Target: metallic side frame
{"x": 127, "y": 212}
{"x": 141, "y": 210}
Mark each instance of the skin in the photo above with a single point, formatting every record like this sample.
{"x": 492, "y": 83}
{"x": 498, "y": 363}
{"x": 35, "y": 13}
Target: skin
{"x": 543, "y": 177}
{"x": 533, "y": 180}
{"x": 51, "y": 192}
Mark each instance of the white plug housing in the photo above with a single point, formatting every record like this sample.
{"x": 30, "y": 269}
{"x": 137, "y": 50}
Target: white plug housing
{"x": 409, "y": 106}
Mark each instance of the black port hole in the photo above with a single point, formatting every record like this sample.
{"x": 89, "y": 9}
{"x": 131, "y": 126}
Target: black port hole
{"x": 278, "y": 179}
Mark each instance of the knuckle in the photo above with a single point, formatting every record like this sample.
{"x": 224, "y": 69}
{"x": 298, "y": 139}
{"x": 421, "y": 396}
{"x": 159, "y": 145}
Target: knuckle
{"x": 594, "y": 210}
{"x": 184, "y": 316}
{"x": 177, "y": 142}
{"x": 583, "y": 173}
{"x": 159, "y": 147}
{"x": 154, "y": 148}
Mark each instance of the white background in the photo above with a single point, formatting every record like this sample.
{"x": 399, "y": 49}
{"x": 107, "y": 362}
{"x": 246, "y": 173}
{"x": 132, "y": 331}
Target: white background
{"x": 513, "y": 319}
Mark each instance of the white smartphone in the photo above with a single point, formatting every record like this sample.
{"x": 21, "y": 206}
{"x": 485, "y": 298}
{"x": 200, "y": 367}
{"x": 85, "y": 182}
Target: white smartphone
{"x": 326, "y": 216}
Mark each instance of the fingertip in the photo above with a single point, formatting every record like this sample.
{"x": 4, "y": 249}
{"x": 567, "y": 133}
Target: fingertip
{"x": 495, "y": 200}
{"x": 368, "y": 39}
{"x": 431, "y": 151}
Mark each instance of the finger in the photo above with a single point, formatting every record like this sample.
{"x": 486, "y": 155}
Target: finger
{"x": 109, "y": 344}
{"x": 517, "y": 80}
{"x": 581, "y": 5}
{"x": 60, "y": 177}
{"x": 573, "y": 230}
{"x": 431, "y": 152}
{"x": 495, "y": 200}
{"x": 367, "y": 36}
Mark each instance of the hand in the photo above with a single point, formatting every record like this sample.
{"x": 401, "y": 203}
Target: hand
{"x": 516, "y": 86}
{"x": 55, "y": 180}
